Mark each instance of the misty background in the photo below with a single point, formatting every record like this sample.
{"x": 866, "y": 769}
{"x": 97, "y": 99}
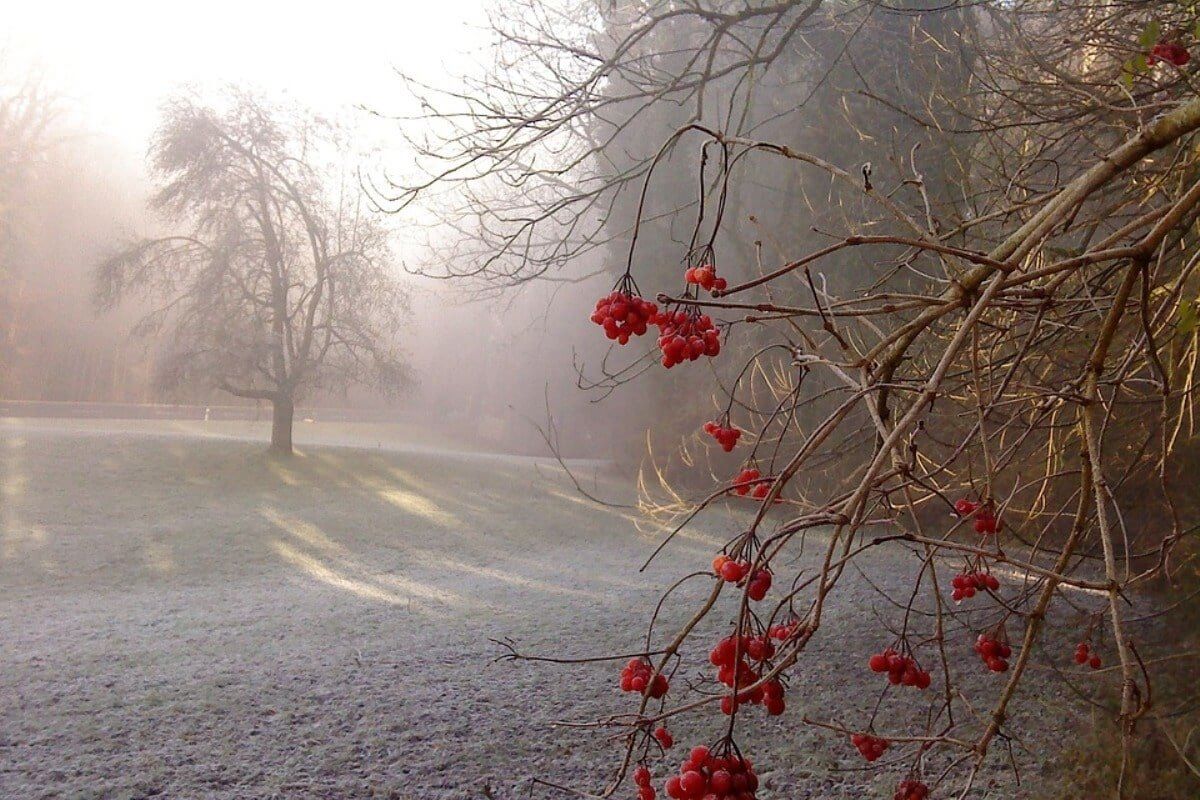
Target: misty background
{"x": 505, "y": 347}
{"x": 81, "y": 105}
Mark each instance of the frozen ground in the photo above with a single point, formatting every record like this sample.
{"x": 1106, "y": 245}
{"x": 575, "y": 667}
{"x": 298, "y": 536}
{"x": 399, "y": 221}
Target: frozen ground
{"x": 183, "y": 617}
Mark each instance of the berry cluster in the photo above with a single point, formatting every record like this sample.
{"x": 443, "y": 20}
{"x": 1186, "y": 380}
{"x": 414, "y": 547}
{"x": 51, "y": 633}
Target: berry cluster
{"x": 726, "y": 437}
{"x": 742, "y": 483}
{"x": 732, "y": 650}
{"x": 733, "y": 668}
{"x": 641, "y": 777}
{"x": 902, "y": 670}
{"x": 638, "y": 676}
{"x": 750, "y": 481}
{"x": 985, "y": 518}
{"x": 705, "y": 276}
{"x": 707, "y": 776}
{"x": 686, "y": 337}
{"x": 782, "y": 631}
{"x": 623, "y": 315}
{"x": 994, "y": 652}
{"x": 759, "y": 585}
{"x": 1083, "y": 655}
{"x": 732, "y": 571}
{"x": 870, "y": 746}
{"x": 967, "y": 583}
{"x": 911, "y": 790}
{"x": 729, "y": 570}
{"x": 1170, "y": 53}
{"x": 664, "y": 738}
{"x": 773, "y": 700}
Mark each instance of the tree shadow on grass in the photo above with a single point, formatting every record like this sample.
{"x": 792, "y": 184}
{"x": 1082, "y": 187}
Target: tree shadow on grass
{"x": 444, "y": 533}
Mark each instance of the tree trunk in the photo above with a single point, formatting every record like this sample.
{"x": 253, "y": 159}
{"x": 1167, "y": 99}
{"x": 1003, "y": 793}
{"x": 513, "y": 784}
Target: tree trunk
{"x": 282, "y": 411}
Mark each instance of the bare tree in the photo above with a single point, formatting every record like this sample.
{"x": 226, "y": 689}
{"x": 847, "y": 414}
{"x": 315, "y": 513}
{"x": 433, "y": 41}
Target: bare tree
{"x": 276, "y": 282}
{"x": 29, "y": 114}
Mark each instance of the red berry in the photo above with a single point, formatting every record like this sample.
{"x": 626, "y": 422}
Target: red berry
{"x": 664, "y": 738}
{"x": 692, "y": 783}
{"x": 986, "y": 523}
{"x": 720, "y": 782}
{"x": 1169, "y": 52}
{"x": 871, "y": 747}
{"x": 911, "y": 790}
{"x": 758, "y": 587}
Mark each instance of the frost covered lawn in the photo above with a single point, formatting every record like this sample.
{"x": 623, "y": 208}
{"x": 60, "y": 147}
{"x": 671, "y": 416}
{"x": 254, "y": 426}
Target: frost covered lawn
{"x": 184, "y": 617}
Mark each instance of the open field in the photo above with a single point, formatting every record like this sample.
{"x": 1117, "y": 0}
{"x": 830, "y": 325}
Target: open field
{"x": 184, "y": 617}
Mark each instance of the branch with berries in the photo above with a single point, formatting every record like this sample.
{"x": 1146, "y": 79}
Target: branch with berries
{"x": 987, "y": 420}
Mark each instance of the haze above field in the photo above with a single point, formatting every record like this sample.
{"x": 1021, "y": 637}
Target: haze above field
{"x": 110, "y": 69}
{"x": 119, "y": 61}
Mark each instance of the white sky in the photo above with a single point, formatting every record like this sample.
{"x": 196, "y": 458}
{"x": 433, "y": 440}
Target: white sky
{"x": 120, "y": 59}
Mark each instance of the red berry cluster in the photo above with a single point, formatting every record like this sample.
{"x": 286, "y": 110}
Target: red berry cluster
{"x": 750, "y": 481}
{"x": 1170, "y": 52}
{"x": 664, "y": 738}
{"x": 911, "y": 790}
{"x": 726, "y": 437}
{"x": 773, "y": 700}
{"x": 705, "y": 276}
{"x": 623, "y": 315}
{"x": 734, "y": 571}
{"x": 728, "y": 569}
{"x": 641, "y": 777}
{"x": 985, "y": 518}
{"x": 638, "y": 675}
{"x": 994, "y": 652}
{"x": 742, "y": 483}
{"x": 967, "y": 583}
{"x": 986, "y": 523}
{"x": 782, "y": 631}
{"x": 902, "y": 670}
{"x": 1083, "y": 655}
{"x": 759, "y": 585}
{"x": 734, "y": 668}
{"x": 870, "y": 746}
{"x": 685, "y": 337}
{"x": 711, "y": 777}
